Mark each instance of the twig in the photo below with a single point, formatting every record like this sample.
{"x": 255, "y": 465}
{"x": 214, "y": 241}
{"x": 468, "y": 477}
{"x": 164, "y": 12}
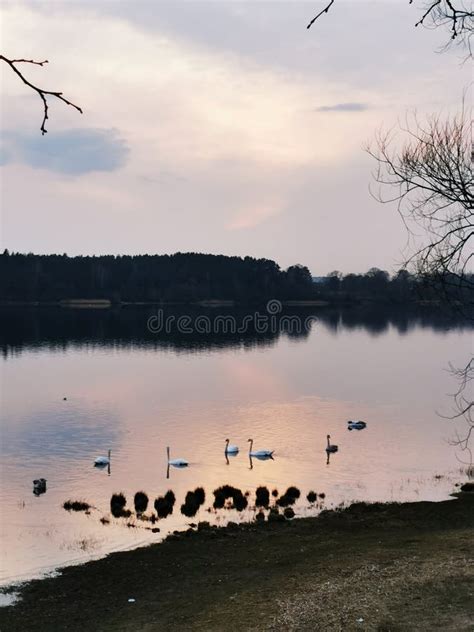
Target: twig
{"x": 29, "y": 61}
{"x": 42, "y": 93}
{"x": 427, "y": 12}
{"x": 320, "y": 14}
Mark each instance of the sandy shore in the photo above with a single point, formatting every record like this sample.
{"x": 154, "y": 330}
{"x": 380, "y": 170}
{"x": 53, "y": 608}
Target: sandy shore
{"x": 370, "y": 567}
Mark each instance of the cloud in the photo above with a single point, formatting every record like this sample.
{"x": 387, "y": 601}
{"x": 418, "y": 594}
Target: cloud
{"x": 343, "y": 107}
{"x": 72, "y": 152}
{"x": 186, "y": 105}
{"x": 223, "y": 94}
{"x": 273, "y": 38}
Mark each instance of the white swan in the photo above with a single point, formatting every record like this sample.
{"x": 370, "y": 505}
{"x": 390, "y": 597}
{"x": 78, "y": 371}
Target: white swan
{"x": 330, "y": 446}
{"x": 103, "y": 460}
{"x": 356, "y": 425}
{"x": 260, "y": 454}
{"x": 230, "y": 449}
{"x": 176, "y": 462}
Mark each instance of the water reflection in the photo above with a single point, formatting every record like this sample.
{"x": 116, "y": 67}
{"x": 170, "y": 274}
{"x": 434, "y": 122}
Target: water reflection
{"x": 232, "y": 455}
{"x": 79, "y": 383}
{"x": 61, "y": 328}
{"x": 103, "y": 466}
{"x": 60, "y": 432}
{"x": 178, "y": 463}
{"x": 259, "y": 457}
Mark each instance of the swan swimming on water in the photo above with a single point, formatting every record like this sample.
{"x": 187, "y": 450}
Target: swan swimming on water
{"x": 230, "y": 449}
{"x": 356, "y": 425}
{"x": 330, "y": 448}
{"x": 103, "y": 460}
{"x": 176, "y": 462}
{"x": 260, "y": 454}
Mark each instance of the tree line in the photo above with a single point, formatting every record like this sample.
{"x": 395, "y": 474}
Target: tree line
{"x": 181, "y": 277}
{"x": 194, "y": 277}
{"x": 400, "y": 288}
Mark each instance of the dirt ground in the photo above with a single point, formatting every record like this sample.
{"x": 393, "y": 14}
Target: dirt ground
{"x": 369, "y": 567}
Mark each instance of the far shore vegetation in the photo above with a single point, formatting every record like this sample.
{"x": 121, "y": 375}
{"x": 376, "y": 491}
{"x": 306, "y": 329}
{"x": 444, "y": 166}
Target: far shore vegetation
{"x": 204, "y": 279}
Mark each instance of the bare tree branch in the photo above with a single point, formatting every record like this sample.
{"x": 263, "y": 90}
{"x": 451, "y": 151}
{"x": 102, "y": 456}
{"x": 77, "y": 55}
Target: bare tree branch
{"x": 40, "y": 91}
{"x": 430, "y": 8}
{"x": 438, "y": 13}
{"x": 320, "y": 14}
{"x": 29, "y": 61}
{"x": 434, "y": 179}
{"x": 459, "y": 18}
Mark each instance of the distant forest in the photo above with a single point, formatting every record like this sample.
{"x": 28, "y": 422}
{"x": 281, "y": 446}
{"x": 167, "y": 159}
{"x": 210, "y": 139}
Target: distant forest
{"x": 193, "y": 277}
{"x": 181, "y": 277}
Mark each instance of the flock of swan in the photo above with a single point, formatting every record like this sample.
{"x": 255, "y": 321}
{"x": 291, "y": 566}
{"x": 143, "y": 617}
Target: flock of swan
{"x": 102, "y": 461}
{"x": 231, "y": 449}
{"x": 39, "y": 485}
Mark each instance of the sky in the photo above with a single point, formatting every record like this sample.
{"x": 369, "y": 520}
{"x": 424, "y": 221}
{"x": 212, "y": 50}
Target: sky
{"x": 220, "y": 127}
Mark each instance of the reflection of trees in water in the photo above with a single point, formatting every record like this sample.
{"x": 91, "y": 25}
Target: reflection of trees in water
{"x": 60, "y": 329}
{"x": 463, "y": 409}
{"x": 377, "y": 321}
{"x": 128, "y": 327}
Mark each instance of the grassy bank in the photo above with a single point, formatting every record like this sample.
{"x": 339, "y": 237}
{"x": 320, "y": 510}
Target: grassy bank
{"x": 370, "y": 567}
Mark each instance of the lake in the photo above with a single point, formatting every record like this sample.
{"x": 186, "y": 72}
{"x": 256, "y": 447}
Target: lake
{"x": 136, "y": 386}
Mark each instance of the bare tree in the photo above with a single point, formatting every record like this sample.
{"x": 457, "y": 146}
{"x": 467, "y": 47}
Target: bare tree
{"x": 453, "y": 15}
{"x": 432, "y": 175}
{"x": 12, "y": 63}
{"x": 456, "y": 15}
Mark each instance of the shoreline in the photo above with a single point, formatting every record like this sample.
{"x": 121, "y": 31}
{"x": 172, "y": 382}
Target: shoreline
{"x": 225, "y": 303}
{"x": 306, "y": 573}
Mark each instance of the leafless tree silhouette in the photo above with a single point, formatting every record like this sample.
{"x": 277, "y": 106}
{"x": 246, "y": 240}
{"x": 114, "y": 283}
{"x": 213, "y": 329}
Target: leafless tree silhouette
{"x": 452, "y": 14}
{"x": 12, "y": 63}
{"x": 434, "y": 182}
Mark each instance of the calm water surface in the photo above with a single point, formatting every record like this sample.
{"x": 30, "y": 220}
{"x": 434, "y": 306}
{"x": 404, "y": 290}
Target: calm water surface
{"x": 136, "y": 393}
